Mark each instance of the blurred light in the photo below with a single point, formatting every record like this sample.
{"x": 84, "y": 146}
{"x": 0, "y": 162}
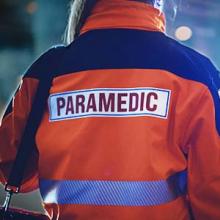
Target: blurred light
{"x": 31, "y": 7}
{"x": 183, "y": 33}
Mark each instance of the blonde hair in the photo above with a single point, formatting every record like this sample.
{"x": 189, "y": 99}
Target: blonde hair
{"x": 76, "y": 10}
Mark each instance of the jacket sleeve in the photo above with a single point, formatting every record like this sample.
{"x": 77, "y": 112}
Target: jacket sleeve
{"x": 204, "y": 159}
{"x": 11, "y": 129}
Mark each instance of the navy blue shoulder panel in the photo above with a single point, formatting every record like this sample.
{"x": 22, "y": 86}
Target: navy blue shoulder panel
{"x": 44, "y": 65}
{"x": 203, "y": 71}
{"x": 47, "y": 63}
{"x": 130, "y": 49}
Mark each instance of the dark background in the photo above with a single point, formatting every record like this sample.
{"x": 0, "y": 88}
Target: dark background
{"x": 29, "y": 27}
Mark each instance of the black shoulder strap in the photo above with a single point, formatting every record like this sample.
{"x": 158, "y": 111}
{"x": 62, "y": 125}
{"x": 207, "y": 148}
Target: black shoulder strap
{"x": 28, "y": 138}
{"x": 46, "y": 65}
{"x": 27, "y": 143}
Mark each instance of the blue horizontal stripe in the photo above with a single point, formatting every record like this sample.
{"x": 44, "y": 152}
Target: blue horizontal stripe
{"x": 108, "y": 193}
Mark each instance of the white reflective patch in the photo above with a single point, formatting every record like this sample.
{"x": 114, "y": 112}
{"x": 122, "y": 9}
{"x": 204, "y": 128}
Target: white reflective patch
{"x": 219, "y": 93}
{"x": 109, "y": 103}
{"x": 51, "y": 197}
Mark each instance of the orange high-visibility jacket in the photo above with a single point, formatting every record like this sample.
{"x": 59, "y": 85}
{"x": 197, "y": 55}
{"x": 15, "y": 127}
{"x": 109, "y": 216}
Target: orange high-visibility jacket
{"x": 131, "y": 129}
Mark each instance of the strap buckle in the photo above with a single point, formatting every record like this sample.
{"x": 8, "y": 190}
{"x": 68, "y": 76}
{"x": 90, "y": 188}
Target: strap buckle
{"x": 12, "y": 189}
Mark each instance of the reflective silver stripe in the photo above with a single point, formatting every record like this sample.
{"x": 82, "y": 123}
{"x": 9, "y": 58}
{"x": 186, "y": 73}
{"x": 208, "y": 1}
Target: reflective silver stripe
{"x": 112, "y": 193}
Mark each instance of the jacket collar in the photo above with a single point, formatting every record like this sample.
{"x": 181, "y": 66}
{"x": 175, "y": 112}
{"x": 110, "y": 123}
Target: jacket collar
{"x": 127, "y": 14}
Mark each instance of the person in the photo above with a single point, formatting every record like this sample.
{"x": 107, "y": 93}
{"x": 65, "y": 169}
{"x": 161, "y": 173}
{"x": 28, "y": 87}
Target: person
{"x": 132, "y": 125}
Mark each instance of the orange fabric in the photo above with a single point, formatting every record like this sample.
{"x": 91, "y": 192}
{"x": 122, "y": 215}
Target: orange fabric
{"x": 204, "y": 188}
{"x": 11, "y": 130}
{"x": 127, "y": 148}
{"x": 115, "y": 133}
{"x": 124, "y": 14}
{"x": 130, "y": 148}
